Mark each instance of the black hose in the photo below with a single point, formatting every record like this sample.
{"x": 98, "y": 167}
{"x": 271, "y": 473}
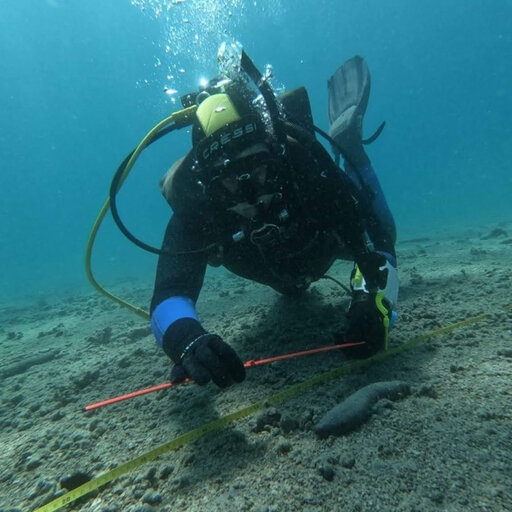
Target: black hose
{"x": 346, "y": 288}
{"x": 114, "y": 188}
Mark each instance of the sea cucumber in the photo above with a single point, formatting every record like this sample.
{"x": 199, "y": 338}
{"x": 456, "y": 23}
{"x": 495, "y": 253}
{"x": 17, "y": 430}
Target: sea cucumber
{"x": 356, "y": 409}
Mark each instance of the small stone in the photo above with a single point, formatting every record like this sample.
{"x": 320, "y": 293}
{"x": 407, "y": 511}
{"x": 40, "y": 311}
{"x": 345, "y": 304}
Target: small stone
{"x": 306, "y": 420}
{"x": 428, "y": 390}
{"x": 183, "y": 481}
{"x": 166, "y": 471}
{"x": 288, "y": 424}
{"x": 327, "y": 472}
{"x": 348, "y": 462}
{"x": 57, "y": 415}
{"x": 495, "y": 233}
{"x": 496, "y": 492}
{"x": 101, "y": 337}
{"x": 487, "y": 414}
{"x": 270, "y": 417}
{"x": 152, "y": 478}
{"x": 416, "y": 279}
{"x": 42, "y": 488}
{"x": 333, "y": 459}
{"x": 124, "y": 362}
{"x": 75, "y": 480}
{"x": 284, "y": 447}
{"x": 152, "y": 498}
{"x": 94, "y": 424}
{"x": 139, "y": 333}
{"x": 33, "y": 464}
{"x": 15, "y": 400}
{"x": 437, "y": 497}
{"x": 85, "y": 379}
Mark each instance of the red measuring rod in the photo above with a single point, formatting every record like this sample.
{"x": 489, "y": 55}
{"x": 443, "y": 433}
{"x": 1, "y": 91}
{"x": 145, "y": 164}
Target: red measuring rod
{"x": 252, "y": 363}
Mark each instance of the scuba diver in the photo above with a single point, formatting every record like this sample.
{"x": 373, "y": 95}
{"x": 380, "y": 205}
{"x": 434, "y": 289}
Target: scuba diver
{"x": 260, "y": 195}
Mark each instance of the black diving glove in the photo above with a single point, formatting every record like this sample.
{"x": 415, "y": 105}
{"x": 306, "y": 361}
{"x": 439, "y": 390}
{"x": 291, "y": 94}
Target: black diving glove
{"x": 201, "y": 356}
{"x": 368, "y": 320}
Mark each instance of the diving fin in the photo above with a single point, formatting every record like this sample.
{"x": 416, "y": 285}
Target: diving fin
{"x": 349, "y": 91}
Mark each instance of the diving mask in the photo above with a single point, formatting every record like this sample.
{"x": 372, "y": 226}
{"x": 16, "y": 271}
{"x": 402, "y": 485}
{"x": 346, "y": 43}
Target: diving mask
{"x": 246, "y": 178}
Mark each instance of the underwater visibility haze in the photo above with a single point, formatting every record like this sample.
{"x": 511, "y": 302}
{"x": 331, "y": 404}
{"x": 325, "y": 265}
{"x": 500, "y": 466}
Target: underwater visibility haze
{"x": 424, "y": 426}
{"x": 84, "y": 81}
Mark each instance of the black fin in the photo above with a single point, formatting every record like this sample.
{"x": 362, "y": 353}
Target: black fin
{"x": 349, "y": 91}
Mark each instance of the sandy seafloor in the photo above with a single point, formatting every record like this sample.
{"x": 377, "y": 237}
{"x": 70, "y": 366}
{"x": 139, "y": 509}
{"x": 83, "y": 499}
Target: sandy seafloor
{"x": 445, "y": 447}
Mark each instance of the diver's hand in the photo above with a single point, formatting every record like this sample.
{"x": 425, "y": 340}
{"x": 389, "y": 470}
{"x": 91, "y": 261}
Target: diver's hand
{"x": 207, "y": 357}
{"x": 368, "y": 320}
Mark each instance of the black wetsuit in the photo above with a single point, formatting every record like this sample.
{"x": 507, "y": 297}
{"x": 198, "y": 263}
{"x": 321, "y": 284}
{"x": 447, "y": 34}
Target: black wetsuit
{"x": 322, "y": 216}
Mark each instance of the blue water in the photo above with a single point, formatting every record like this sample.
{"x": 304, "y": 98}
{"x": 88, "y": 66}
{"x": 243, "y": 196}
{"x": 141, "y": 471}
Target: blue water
{"x": 83, "y": 81}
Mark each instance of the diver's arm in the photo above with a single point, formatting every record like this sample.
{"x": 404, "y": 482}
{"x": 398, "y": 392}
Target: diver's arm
{"x": 196, "y": 353}
{"x": 179, "y": 277}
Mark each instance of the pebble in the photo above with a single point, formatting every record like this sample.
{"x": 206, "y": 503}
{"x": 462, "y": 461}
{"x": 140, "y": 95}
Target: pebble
{"x": 270, "y": 417}
{"x": 85, "y": 379}
{"x": 74, "y": 480}
{"x": 284, "y": 447}
{"x": 124, "y": 362}
{"x": 428, "y": 390}
{"x": 327, "y": 473}
{"x": 166, "y": 471}
{"x": 33, "y": 464}
{"x": 379, "y": 469}
{"x": 152, "y": 498}
{"x": 15, "y": 400}
{"x": 348, "y": 463}
{"x": 42, "y": 488}
{"x": 25, "y": 425}
{"x": 151, "y": 477}
{"x": 288, "y": 424}
{"x": 57, "y": 415}
{"x": 437, "y": 497}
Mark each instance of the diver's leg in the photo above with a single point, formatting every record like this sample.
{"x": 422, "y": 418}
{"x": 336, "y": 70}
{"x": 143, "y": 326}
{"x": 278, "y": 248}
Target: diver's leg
{"x": 349, "y": 91}
{"x": 380, "y": 221}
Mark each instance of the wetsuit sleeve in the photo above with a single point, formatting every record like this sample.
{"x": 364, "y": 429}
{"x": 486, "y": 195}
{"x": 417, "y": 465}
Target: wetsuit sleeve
{"x": 179, "y": 276}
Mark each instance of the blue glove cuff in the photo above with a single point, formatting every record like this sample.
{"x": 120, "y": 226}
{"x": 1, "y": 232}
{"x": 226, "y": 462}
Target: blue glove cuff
{"x": 167, "y": 312}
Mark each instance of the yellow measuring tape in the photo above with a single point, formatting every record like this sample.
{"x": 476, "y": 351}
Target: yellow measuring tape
{"x": 228, "y": 419}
